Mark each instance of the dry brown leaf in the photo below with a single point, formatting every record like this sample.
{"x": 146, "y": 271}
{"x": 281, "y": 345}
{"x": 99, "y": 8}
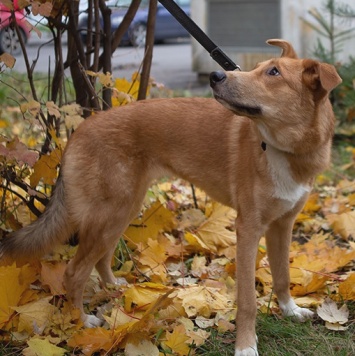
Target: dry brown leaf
{"x": 52, "y": 274}
{"x": 347, "y": 288}
{"x": 8, "y": 60}
{"x": 143, "y": 347}
{"x": 329, "y": 312}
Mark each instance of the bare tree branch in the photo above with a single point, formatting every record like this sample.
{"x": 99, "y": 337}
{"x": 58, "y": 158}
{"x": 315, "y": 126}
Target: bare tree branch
{"x": 149, "y": 44}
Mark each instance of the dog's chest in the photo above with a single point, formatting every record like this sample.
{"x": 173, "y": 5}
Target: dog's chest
{"x": 285, "y": 187}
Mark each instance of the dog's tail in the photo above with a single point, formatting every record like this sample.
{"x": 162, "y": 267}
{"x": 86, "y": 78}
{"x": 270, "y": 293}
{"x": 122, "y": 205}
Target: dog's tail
{"x": 50, "y": 229}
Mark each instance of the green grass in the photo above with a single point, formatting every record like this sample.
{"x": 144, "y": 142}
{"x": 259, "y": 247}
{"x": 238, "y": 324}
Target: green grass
{"x": 14, "y": 87}
{"x": 284, "y": 337}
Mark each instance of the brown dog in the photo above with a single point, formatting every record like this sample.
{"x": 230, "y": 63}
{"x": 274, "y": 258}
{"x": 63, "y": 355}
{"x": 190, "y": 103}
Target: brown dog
{"x": 258, "y": 152}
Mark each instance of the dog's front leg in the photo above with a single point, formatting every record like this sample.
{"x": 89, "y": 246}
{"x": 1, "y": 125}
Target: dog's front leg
{"x": 247, "y": 244}
{"x": 278, "y": 238}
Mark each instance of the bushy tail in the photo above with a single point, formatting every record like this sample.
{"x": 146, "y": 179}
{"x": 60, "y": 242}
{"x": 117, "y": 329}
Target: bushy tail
{"x": 40, "y": 237}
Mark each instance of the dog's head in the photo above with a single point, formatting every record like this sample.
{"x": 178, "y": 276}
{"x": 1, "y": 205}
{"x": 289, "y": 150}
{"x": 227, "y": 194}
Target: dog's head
{"x": 284, "y": 96}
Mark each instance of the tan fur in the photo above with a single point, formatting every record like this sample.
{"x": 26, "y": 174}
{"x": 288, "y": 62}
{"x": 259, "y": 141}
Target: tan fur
{"x": 113, "y": 157}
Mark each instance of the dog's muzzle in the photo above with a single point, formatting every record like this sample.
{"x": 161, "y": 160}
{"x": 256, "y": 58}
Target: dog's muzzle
{"x": 217, "y": 77}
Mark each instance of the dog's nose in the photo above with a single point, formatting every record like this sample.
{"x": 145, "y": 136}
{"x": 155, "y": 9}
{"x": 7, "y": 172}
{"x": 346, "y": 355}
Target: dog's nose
{"x": 217, "y": 77}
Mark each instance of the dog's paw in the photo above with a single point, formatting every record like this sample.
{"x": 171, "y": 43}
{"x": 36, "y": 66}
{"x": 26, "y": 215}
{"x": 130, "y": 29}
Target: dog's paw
{"x": 292, "y": 310}
{"x": 250, "y": 351}
{"x": 91, "y": 321}
{"x": 301, "y": 314}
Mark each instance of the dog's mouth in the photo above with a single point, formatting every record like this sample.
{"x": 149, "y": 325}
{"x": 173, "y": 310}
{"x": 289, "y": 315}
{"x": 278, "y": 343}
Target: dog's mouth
{"x": 239, "y": 108}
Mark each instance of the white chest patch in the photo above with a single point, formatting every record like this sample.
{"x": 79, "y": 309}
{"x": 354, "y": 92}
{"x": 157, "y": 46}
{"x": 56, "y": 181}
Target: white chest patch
{"x": 285, "y": 187}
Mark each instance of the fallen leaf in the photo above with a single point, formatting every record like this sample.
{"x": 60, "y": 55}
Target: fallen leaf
{"x": 42, "y": 347}
{"x": 144, "y": 295}
{"x": 214, "y": 233}
{"x": 153, "y": 255}
{"x": 13, "y": 283}
{"x": 329, "y": 312}
{"x": 200, "y": 300}
{"x": 94, "y": 340}
{"x": 347, "y": 288}
{"x": 35, "y": 316}
{"x": 52, "y": 274}
{"x": 343, "y": 224}
{"x": 142, "y": 348}
{"x": 177, "y": 341}
{"x": 154, "y": 220}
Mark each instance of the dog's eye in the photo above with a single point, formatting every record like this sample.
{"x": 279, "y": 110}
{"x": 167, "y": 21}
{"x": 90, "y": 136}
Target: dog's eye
{"x": 273, "y": 71}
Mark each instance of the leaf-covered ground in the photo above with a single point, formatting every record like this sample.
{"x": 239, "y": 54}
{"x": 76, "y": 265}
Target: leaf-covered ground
{"x": 176, "y": 271}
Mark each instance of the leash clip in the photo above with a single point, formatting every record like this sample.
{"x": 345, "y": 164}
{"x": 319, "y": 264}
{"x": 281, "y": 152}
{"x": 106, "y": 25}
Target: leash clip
{"x": 223, "y": 60}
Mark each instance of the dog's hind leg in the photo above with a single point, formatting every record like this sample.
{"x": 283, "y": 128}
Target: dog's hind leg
{"x": 103, "y": 266}
{"x": 102, "y": 226}
{"x": 96, "y": 243}
{"x": 278, "y": 238}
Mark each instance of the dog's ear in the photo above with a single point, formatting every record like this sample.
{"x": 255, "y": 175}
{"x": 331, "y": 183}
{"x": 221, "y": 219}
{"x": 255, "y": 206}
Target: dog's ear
{"x": 320, "y": 77}
{"x": 287, "y": 49}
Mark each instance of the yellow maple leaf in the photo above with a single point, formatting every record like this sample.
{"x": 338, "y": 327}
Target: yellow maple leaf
{"x": 119, "y": 317}
{"x": 312, "y": 301}
{"x": 14, "y": 281}
{"x": 46, "y": 168}
{"x": 57, "y": 140}
{"x": 195, "y": 241}
{"x": 347, "y": 288}
{"x": 153, "y": 255}
{"x": 200, "y": 300}
{"x": 317, "y": 283}
{"x": 154, "y": 220}
{"x": 95, "y": 339}
{"x": 35, "y": 316}
{"x": 343, "y": 224}
{"x": 177, "y": 340}
{"x": 321, "y": 255}
{"x": 312, "y": 205}
{"x": 214, "y": 233}
{"x": 143, "y": 295}
{"x": 126, "y": 91}
{"x": 42, "y": 347}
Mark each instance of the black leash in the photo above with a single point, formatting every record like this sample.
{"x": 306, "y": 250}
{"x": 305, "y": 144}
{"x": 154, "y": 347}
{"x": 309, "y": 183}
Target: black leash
{"x": 195, "y": 31}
